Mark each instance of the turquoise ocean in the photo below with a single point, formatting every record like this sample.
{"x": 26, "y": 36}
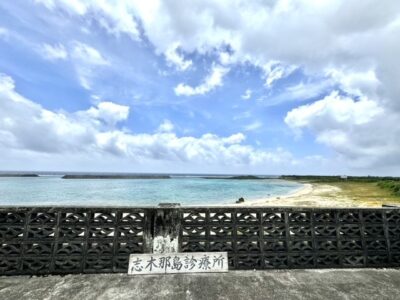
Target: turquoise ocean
{"x": 186, "y": 190}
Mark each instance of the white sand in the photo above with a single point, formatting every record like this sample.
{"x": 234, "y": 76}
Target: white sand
{"x": 310, "y": 195}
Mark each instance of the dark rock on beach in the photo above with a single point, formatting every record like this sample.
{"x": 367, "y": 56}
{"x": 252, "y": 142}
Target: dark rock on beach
{"x": 240, "y": 200}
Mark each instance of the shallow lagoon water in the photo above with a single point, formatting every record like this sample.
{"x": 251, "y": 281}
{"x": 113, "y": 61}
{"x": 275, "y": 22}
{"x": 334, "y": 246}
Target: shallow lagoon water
{"x": 53, "y": 190}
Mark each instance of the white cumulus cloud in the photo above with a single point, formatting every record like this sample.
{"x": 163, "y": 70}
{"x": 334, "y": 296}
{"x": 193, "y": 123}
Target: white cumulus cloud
{"x": 27, "y": 126}
{"x": 361, "y": 131}
{"x": 273, "y": 71}
{"x": 213, "y": 80}
{"x": 115, "y": 17}
{"x": 351, "y": 45}
{"x": 175, "y": 58}
{"x": 111, "y": 113}
{"x": 166, "y": 126}
{"x": 87, "y": 61}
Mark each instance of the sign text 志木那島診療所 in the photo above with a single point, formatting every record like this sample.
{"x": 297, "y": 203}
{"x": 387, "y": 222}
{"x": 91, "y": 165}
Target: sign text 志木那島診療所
{"x": 171, "y": 263}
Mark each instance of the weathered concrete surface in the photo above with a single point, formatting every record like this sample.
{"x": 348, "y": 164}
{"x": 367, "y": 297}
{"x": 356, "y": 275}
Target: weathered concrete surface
{"x": 291, "y": 284}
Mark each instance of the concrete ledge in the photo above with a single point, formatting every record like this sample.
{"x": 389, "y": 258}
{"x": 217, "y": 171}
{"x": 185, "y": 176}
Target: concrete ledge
{"x": 276, "y": 284}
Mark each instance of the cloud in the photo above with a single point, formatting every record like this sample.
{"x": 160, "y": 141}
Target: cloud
{"x": 115, "y": 17}
{"x": 253, "y": 126}
{"x": 55, "y": 52}
{"x": 243, "y": 115}
{"x": 334, "y": 110}
{"x": 176, "y": 59}
{"x": 88, "y": 55}
{"x": 361, "y": 131}
{"x": 348, "y": 45}
{"x": 109, "y": 112}
{"x": 27, "y": 126}
{"x": 225, "y": 58}
{"x": 298, "y": 92}
{"x": 236, "y": 138}
{"x": 354, "y": 52}
{"x": 247, "y": 94}
{"x": 213, "y": 80}
{"x": 277, "y": 36}
{"x": 166, "y": 126}
{"x": 357, "y": 83}
{"x": 273, "y": 71}
{"x": 4, "y": 33}
{"x": 87, "y": 62}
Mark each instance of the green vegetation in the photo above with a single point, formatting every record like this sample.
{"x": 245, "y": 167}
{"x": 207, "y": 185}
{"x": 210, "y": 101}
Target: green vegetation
{"x": 116, "y": 177}
{"x": 364, "y": 192}
{"x": 391, "y": 185}
{"x": 369, "y": 190}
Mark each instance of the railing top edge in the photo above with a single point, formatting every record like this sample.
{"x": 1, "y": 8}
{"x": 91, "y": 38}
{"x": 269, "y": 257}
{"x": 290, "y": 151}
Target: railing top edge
{"x": 188, "y": 207}
{"x": 289, "y": 208}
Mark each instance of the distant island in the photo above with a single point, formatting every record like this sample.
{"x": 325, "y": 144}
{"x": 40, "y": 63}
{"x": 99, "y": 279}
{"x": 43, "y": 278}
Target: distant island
{"x": 246, "y": 177}
{"x": 116, "y": 177}
{"x": 19, "y": 175}
{"x": 239, "y": 177}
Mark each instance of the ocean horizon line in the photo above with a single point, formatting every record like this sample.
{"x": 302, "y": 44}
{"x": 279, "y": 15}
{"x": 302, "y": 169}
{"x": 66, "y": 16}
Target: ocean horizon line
{"x": 60, "y": 173}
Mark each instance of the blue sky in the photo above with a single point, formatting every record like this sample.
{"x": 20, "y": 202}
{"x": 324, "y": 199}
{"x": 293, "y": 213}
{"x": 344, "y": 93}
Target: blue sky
{"x": 269, "y": 87}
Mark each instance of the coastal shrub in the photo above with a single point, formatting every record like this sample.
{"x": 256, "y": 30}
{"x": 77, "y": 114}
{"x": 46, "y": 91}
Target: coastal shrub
{"x": 393, "y": 186}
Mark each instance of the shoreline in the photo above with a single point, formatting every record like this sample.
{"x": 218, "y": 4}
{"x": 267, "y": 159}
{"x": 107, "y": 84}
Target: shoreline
{"x": 302, "y": 193}
{"x": 305, "y": 189}
{"x": 312, "y": 195}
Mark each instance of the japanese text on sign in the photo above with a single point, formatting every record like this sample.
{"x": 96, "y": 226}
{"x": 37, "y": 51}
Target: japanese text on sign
{"x": 169, "y": 263}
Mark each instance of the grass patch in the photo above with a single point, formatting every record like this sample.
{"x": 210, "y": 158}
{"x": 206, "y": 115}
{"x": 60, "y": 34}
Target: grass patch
{"x": 362, "y": 191}
{"x": 392, "y": 186}
{"x": 365, "y": 191}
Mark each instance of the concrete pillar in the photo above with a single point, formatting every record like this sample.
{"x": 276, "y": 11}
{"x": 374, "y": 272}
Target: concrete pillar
{"x": 162, "y": 235}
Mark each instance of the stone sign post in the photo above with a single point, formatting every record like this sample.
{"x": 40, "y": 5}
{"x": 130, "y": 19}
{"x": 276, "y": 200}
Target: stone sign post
{"x": 163, "y": 242}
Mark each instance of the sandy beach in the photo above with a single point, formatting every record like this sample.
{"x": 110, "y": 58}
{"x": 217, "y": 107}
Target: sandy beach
{"x": 313, "y": 195}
